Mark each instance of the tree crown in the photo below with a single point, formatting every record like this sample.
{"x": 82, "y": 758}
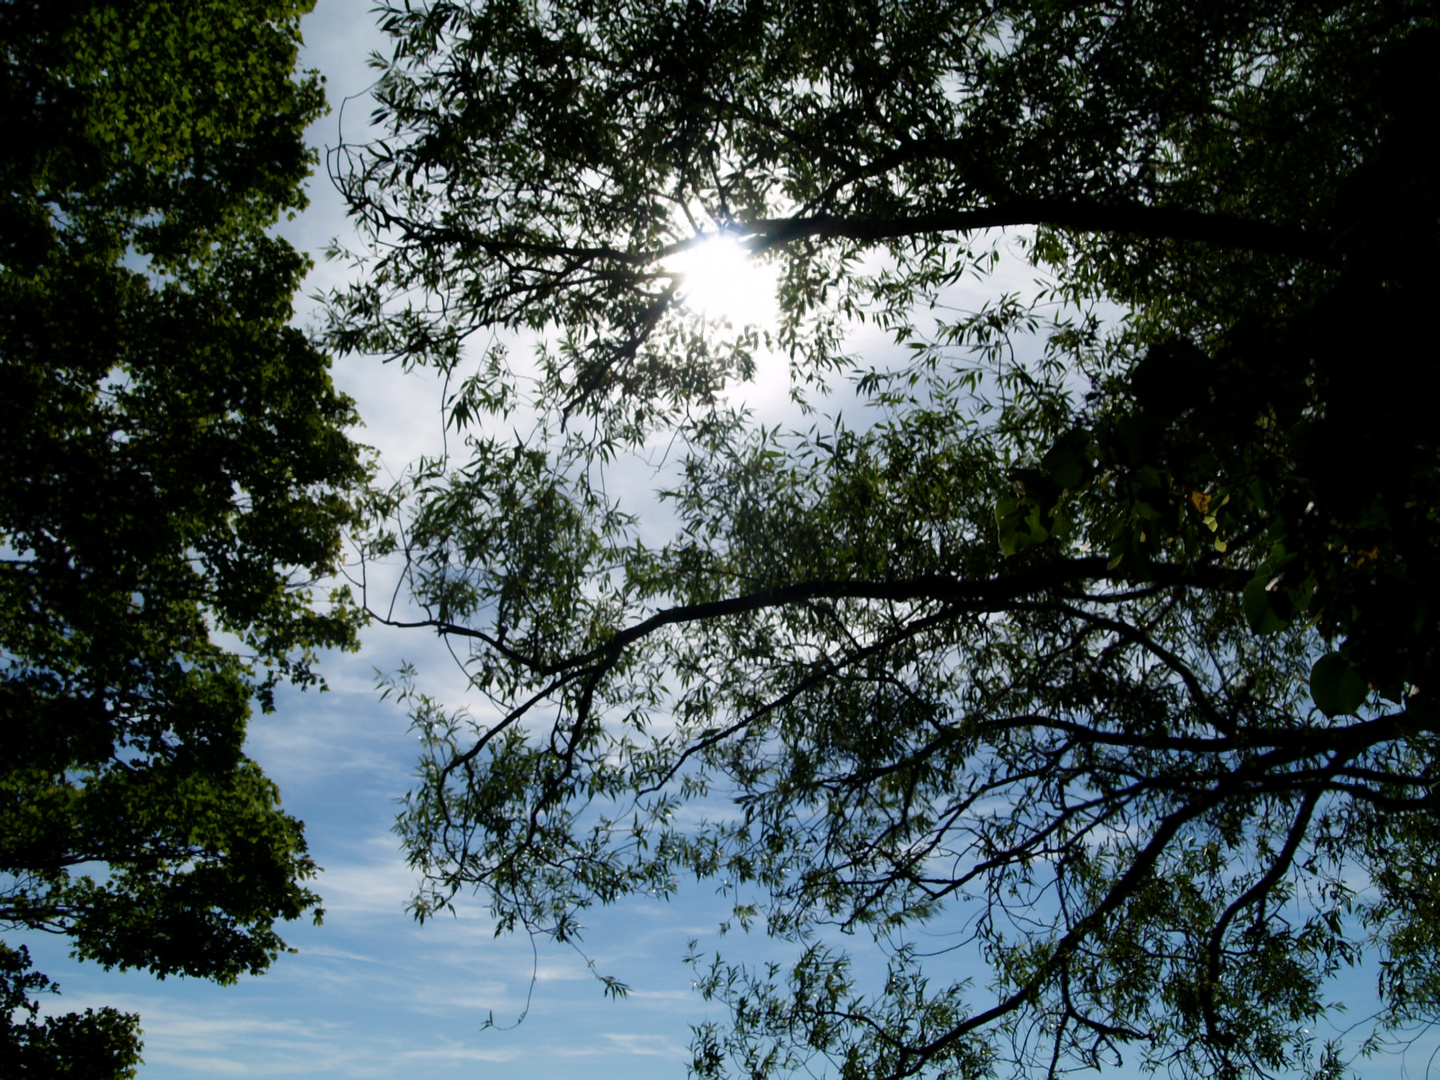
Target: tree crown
{"x": 1111, "y": 684}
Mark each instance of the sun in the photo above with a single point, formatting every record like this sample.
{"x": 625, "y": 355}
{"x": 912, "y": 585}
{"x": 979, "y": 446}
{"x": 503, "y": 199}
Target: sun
{"x": 723, "y": 280}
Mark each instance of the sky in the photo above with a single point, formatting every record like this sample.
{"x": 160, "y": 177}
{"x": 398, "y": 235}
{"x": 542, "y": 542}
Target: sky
{"x": 370, "y": 993}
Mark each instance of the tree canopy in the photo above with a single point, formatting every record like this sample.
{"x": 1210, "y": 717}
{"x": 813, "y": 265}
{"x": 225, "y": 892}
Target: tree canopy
{"x": 1104, "y": 648}
{"x": 176, "y": 476}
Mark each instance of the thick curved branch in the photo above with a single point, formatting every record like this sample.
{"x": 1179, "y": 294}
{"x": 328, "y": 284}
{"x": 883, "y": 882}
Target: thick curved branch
{"x": 766, "y": 234}
{"x": 991, "y": 594}
{"x": 1132, "y": 219}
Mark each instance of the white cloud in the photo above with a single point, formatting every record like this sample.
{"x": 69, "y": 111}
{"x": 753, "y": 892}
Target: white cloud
{"x": 620, "y": 1043}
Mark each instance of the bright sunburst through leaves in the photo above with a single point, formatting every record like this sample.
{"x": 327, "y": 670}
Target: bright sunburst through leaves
{"x": 722, "y": 280}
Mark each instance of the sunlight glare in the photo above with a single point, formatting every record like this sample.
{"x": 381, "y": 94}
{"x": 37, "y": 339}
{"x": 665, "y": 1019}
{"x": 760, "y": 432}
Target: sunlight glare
{"x": 722, "y": 280}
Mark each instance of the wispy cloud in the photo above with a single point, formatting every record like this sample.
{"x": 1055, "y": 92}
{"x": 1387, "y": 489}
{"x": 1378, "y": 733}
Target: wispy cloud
{"x": 626, "y": 1043}
{"x": 461, "y": 1053}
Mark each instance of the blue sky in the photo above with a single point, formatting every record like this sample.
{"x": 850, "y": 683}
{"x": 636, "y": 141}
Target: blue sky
{"x": 370, "y": 993}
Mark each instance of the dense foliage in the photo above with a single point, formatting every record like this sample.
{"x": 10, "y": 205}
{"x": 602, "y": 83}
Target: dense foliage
{"x": 1105, "y": 648}
{"x": 175, "y": 469}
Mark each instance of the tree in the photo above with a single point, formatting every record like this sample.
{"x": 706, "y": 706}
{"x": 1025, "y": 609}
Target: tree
{"x": 1126, "y": 688}
{"x": 176, "y": 474}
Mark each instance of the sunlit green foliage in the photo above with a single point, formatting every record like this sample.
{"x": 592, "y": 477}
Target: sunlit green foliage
{"x": 175, "y": 468}
{"x": 1104, "y": 647}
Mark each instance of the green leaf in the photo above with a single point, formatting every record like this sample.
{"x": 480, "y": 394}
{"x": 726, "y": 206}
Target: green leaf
{"x": 1336, "y": 686}
{"x": 1020, "y": 525}
{"x": 1068, "y": 462}
{"x": 1260, "y": 610}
